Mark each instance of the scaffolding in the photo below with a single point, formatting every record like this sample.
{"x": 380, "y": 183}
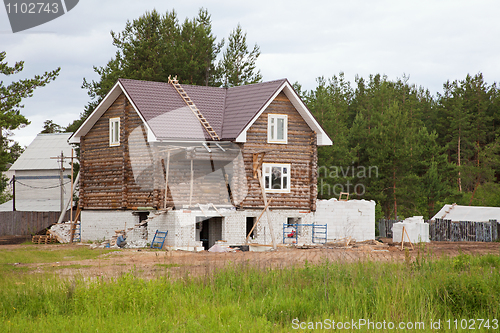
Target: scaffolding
{"x": 291, "y": 232}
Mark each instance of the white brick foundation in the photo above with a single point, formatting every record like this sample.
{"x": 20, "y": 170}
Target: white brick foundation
{"x": 98, "y": 225}
{"x": 353, "y": 218}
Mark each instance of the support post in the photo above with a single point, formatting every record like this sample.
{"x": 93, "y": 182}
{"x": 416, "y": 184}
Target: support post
{"x": 61, "y": 181}
{"x": 166, "y": 181}
{"x": 14, "y": 193}
{"x": 258, "y": 219}
{"x": 264, "y": 196}
{"x": 72, "y": 189}
{"x": 191, "y": 187}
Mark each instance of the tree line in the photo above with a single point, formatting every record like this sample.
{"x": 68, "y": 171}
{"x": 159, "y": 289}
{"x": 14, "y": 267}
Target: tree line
{"x": 410, "y": 151}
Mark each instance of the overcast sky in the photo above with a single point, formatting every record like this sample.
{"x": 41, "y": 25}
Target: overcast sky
{"x": 430, "y": 40}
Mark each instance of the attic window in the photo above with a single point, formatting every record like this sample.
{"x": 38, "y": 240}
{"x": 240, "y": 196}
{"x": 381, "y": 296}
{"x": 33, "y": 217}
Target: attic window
{"x": 277, "y": 128}
{"x": 114, "y": 131}
{"x": 276, "y": 177}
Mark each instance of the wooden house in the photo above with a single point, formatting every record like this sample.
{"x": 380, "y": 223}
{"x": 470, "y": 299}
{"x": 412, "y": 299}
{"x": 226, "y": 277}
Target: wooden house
{"x": 213, "y": 157}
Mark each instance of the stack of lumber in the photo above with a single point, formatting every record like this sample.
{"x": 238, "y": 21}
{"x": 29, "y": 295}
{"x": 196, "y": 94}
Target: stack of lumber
{"x": 43, "y": 239}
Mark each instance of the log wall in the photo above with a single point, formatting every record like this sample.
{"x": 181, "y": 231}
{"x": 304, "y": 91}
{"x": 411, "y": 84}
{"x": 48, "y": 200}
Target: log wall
{"x": 107, "y": 179}
{"x": 300, "y": 152}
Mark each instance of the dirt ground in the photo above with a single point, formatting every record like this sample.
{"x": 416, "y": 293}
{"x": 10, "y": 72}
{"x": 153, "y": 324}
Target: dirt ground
{"x": 149, "y": 264}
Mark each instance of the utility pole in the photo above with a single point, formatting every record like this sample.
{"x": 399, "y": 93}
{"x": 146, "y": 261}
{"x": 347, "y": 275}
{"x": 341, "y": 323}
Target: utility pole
{"x": 61, "y": 177}
{"x": 61, "y": 181}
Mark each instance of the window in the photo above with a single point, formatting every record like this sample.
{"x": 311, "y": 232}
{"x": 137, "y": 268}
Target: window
{"x": 114, "y": 131}
{"x": 276, "y": 177}
{"x": 277, "y": 128}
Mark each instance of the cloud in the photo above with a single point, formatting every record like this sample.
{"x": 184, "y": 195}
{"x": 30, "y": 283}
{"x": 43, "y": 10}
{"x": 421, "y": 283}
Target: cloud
{"x": 431, "y": 41}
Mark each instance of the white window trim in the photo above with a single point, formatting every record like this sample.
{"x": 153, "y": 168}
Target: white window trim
{"x": 285, "y": 130}
{"x": 112, "y": 142}
{"x": 288, "y": 176}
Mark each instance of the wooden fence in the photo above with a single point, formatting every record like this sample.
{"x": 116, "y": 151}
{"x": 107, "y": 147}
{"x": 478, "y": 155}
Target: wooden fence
{"x": 385, "y": 227}
{"x": 27, "y": 223}
{"x": 446, "y": 230}
{"x": 464, "y": 231}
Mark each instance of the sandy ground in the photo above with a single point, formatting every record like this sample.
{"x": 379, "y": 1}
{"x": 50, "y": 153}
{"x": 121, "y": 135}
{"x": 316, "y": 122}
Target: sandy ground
{"x": 149, "y": 264}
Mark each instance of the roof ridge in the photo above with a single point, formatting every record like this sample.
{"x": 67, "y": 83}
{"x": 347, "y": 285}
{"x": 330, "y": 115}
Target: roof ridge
{"x": 257, "y": 83}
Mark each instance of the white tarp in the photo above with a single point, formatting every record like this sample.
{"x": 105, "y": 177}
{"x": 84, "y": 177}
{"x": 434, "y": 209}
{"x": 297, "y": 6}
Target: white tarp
{"x": 415, "y": 227}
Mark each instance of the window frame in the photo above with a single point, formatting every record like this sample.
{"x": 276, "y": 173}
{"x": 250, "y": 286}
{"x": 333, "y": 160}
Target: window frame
{"x": 287, "y": 176}
{"x": 113, "y": 124}
{"x": 272, "y": 120}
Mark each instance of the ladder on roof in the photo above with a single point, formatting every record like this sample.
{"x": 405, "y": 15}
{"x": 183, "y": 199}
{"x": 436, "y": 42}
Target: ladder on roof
{"x": 193, "y": 108}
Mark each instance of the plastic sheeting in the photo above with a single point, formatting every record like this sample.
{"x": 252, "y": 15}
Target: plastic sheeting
{"x": 415, "y": 227}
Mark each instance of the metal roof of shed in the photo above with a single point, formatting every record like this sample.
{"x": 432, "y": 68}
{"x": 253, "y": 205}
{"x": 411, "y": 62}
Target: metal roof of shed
{"x": 38, "y": 154}
{"x": 468, "y": 213}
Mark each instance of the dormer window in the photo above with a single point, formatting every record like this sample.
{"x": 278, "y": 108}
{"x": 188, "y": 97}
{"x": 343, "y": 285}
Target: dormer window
{"x": 114, "y": 131}
{"x": 277, "y": 128}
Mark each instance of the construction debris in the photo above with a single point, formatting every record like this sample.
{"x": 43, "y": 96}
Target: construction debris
{"x": 61, "y": 231}
{"x": 221, "y": 248}
{"x": 43, "y": 239}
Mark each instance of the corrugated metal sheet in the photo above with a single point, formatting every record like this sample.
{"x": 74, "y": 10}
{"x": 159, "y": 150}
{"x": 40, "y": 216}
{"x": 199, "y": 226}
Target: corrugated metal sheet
{"x": 38, "y": 154}
{"x": 468, "y": 213}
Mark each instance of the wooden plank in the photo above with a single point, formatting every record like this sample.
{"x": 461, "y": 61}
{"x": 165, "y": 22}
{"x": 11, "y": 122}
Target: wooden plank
{"x": 258, "y": 219}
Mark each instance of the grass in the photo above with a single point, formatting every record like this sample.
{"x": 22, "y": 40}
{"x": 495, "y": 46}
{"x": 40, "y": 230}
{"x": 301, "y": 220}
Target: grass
{"x": 32, "y": 254}
{"x": 12, "y": 260}
{"x": 244, "y": 298}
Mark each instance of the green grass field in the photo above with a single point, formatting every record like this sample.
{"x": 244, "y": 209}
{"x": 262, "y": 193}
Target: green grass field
{"x": 244, "y": 298}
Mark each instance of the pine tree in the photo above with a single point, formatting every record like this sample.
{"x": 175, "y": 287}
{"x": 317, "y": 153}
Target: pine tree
{"x": 238, "y": 66}
{"x": 153, "y": 47}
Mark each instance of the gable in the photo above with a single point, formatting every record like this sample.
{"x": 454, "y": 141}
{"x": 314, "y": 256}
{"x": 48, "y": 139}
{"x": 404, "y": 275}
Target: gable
{"x": 322, "y": 137}
{"x": 106, "y": 102}
{"x": 38, "y": 155}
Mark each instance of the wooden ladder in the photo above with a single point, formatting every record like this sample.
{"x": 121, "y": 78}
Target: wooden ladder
{"x": 193, "y": 108}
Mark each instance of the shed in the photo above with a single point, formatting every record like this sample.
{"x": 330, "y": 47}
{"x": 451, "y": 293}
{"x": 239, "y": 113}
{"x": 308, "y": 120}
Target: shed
{"x": 37, "y": 186}
{"x": 458, "y": 213}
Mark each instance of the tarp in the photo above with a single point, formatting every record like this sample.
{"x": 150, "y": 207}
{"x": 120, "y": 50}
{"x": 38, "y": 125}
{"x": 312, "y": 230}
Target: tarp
{"x": 468, "y": 213}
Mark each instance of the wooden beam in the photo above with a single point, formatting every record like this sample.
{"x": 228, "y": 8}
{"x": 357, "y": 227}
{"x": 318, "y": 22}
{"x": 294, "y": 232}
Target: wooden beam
{"x": 73, "y": 223}
{"x": 258, "y": 219}
{"x": 257, "y": 164}
{"x": 72, "y": 189}
{"x": 166, "y": 180}
{"x": 191, "y": 185}
{"x": 264, "y": 196}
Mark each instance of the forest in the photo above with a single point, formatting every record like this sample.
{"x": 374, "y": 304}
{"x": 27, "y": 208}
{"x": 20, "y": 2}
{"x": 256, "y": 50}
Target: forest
{"x": 411, "y": 152}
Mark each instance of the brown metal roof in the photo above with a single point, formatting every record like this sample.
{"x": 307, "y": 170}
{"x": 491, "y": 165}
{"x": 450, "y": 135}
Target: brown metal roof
{"x": 228, "y": 110}
{"x": 243, "y": 103}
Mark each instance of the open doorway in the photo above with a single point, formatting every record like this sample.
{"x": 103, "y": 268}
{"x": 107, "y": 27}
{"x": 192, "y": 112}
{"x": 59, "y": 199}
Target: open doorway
{"x": 208, "y": 230}
{"x": 250, "y": 223}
